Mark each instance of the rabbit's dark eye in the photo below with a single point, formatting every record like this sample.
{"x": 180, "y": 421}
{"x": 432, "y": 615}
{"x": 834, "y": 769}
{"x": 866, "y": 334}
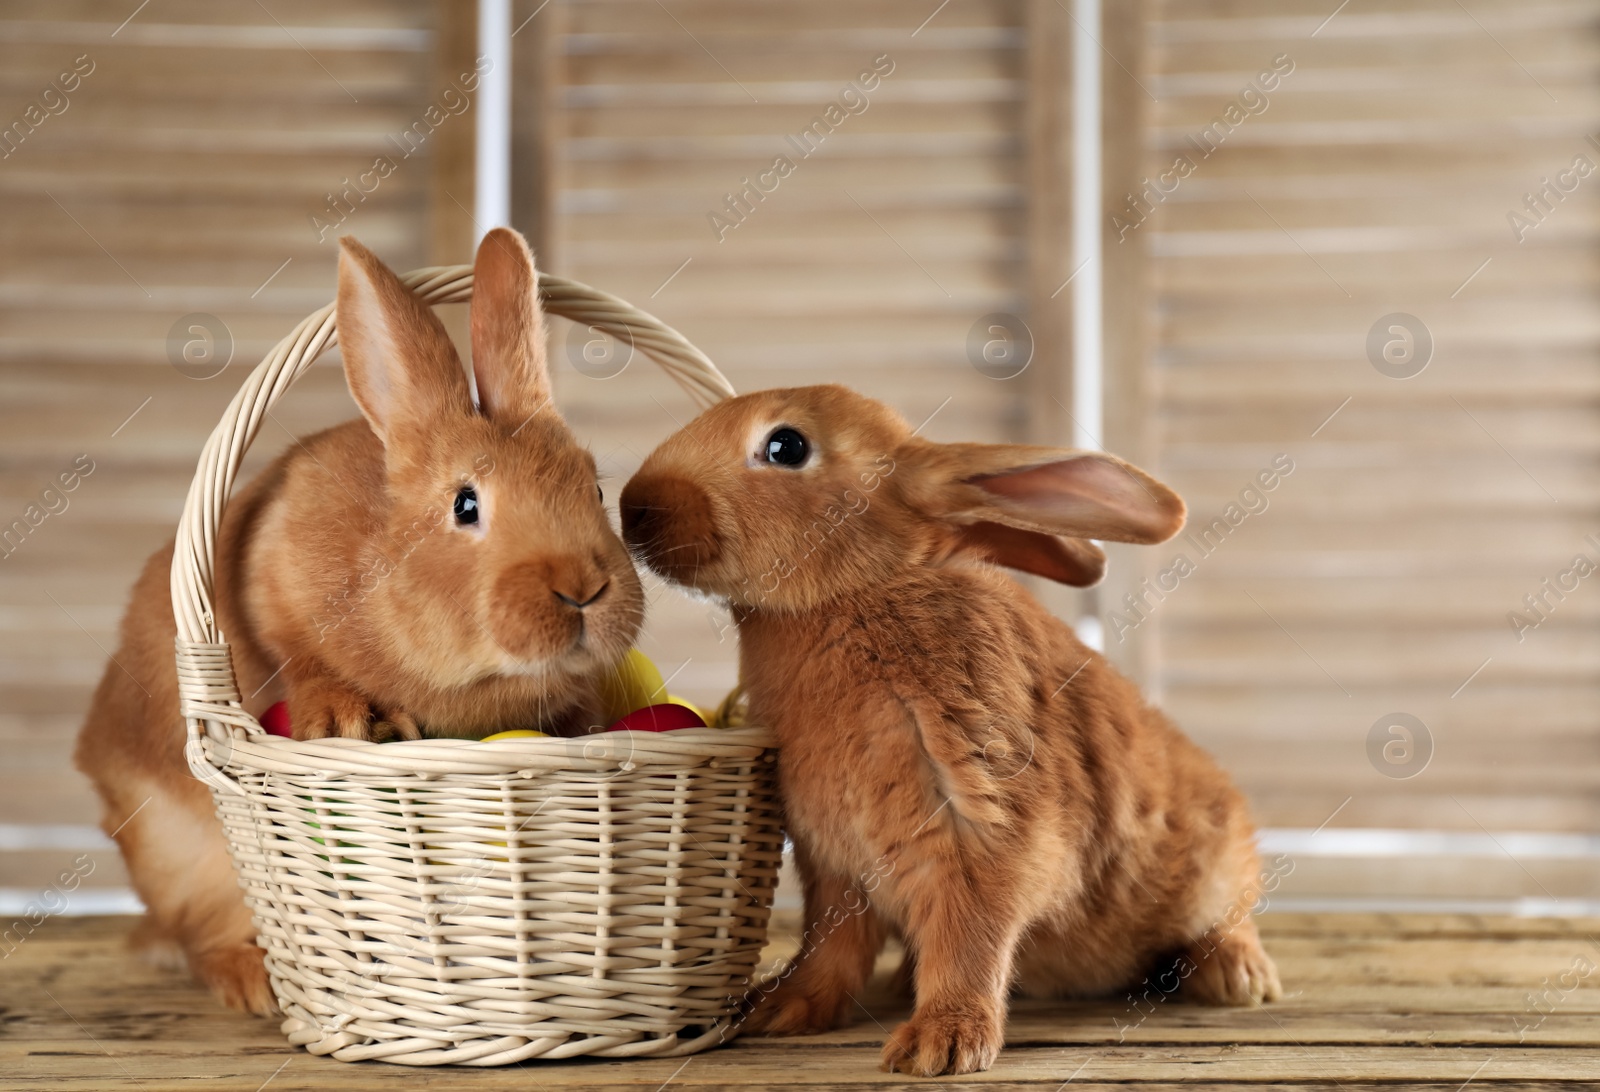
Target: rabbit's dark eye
{"x": 466, "y": 505}
{"x": 600, "y": 491}
{"x": 787, "y": 447}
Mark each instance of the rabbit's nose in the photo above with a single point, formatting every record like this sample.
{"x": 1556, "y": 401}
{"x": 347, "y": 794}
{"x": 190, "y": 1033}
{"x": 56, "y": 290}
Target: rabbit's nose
{"x": 574, "y": 601}
{"x": 669, "y": 520}
{"x": 643, "y": 520}
{"x": 526, "y": 590}
{"x": 576, "y": 582}
{"x": 538, "y": 607}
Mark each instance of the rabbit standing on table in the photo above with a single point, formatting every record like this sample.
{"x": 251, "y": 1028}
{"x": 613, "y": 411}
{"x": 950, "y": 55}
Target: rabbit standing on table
{"x": 1029, "y": 821}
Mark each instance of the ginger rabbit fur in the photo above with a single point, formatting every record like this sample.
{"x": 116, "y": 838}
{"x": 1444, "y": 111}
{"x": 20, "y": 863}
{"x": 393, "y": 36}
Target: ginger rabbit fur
{"x": 955, "y": 766}
{"x": 356, "y": 581}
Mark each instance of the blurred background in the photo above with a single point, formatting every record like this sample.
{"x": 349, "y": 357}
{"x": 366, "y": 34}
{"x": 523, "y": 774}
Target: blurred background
{"x": 1329, "y": 269}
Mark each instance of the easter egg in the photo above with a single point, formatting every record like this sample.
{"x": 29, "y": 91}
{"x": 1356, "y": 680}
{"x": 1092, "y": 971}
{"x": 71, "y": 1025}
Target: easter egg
{"x": 666, "y": 717}
{"x": 673, "y": 699}
{"x": 276, "y": 720}
{"x": 633, "y": 684}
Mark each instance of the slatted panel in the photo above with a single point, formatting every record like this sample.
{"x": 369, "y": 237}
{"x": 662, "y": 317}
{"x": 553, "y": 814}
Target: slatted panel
{"x": 867, "y": 264}
{"x": 205, "y": 138}
{"x": 1377, "y": 180}
{"x": 181, "y": 175}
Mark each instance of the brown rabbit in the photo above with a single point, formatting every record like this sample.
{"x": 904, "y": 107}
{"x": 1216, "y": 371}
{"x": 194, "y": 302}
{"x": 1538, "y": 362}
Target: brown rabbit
{"x": 433, "y": 568}
{"x": 1018, "y": 814}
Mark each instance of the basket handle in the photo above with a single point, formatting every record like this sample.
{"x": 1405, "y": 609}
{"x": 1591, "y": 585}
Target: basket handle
{"x": 208, "y": 692}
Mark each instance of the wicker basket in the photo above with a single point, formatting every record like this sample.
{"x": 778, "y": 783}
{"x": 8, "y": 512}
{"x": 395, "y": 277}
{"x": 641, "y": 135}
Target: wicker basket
{"x": 456, "y": 902}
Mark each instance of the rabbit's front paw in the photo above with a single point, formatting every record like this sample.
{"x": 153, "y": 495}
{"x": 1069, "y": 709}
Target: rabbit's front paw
{"x": 328, "y": 708}
{"x": 237, "y": 976}
{"x": 1237, "y": 971}
{"x": 939, "y": 1041}
{"x": 321, "y": 709}
{"x": 394, "y": 724}
{"x": 795, "y": 1009}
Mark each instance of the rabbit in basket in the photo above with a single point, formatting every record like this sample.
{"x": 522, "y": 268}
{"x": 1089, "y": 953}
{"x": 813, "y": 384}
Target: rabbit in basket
{"x": 434, "y": 567}
{"x": 955, "y": 766}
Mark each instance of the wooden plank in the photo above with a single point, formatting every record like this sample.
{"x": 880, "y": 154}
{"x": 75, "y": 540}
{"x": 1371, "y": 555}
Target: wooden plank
{"x": 1049, "y": 219}
{"x": 1047, "y": 383}
{"x": 536, "y": 78}
{"x": 302, "y": 13}
{"x": 451, "y": 184}
{"x": 733, "y": 17}
{"x": 1372, "y": 998}
{"x": 1126, "y": 285}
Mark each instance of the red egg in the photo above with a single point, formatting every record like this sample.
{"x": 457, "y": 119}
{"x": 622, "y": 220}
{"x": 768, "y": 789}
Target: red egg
{"x": 276, "y": 720}
{"x": 667, "y": 717}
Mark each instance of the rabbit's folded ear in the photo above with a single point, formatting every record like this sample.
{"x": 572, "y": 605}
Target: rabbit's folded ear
{"x": 398, "y": 360}
{"x": 1064, "y": 560}
{"x": 508, "y": 354}
{"x": 1076, "y": 494}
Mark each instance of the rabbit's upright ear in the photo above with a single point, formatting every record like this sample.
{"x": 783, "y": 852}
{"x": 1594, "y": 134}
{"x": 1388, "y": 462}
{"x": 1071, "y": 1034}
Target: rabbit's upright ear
{"x": 508, "y": 353}
{"x": 398, "y": 360}
{"x": 1030, "y": 507}
{"x": 1081, "y": 494}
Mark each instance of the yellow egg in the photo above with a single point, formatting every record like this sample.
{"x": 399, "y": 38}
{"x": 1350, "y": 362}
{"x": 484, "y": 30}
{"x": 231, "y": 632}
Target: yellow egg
{"x": 634, "y": 684}
{"x": 687, "y": 704}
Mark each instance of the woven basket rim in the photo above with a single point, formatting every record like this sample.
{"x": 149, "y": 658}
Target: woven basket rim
{"x": 221, "y": 733}
{"x": 427, "y": 758}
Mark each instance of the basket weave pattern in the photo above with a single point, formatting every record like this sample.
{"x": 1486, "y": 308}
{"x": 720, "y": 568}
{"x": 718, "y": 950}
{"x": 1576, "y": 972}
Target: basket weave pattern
{"x": 449, "y": 901}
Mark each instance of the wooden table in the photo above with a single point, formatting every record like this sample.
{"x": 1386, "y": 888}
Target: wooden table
{"x": 1391, "y": 1001}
